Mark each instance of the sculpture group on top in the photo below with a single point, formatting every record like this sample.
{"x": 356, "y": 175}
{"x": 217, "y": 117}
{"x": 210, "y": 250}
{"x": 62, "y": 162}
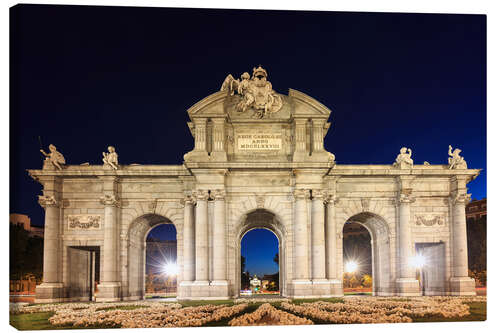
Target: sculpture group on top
{"x": 55, "y": 158}
{"x": 256, "y": 92}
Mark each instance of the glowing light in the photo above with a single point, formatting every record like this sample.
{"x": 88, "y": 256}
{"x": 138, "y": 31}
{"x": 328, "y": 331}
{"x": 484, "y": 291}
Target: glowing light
{"x": 351, "y": 266}
{"x": 170, "y": 268}
{"x": 418, "y": 261}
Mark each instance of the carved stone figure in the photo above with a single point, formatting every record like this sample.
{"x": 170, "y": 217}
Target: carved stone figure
{"x": 55, "y": 157}
{"x": 456, "y": 161}
{"x": 404, "y": 158}
{"x": 111, "y": 158}
{"x": 256, "y": 92}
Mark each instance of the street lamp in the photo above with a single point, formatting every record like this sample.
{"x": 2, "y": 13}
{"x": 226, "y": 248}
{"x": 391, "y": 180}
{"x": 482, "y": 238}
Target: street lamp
{"x": 351, "y": 266}
{"x": 170, "y": 268}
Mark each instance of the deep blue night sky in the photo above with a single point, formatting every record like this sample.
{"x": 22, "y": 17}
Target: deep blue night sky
{"x": 86, "y": 77}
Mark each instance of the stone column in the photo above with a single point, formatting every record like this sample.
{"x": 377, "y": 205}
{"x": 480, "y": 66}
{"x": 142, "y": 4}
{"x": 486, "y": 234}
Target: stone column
{"x": 220, "y": 250}
{"x": 331, "y": 247}
{"x": 300, "y": 235}
{"x": 318, "y": 235}
{"x": 109, "y": 287}
{"x": 51, "y": 290}
{"x": 407, "y": 283}
{"x": 201, "y": 231}
{"x": 461, "y": 283}
{"x": 188, "y": 240}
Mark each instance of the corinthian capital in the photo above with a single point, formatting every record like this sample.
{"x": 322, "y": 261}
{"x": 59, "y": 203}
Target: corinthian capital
{"x": 331, "y": 199}
{"x": 219, "y": 194}
{"x": 187, "y": 200}
{"x": 110, "y": 200}
{"x": 460, "y": 198}
{"x": 300, "y": 194}
{"x": 47, "y": 201}
{"x": 405, "y": 196}
{"x": 201, "y": 195}
{"x": 318, "y": 194}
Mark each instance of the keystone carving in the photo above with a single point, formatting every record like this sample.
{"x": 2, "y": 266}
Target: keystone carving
{"x": 365, "y": 204}
{"x": 260, "y": 199}
{"x": 152, "y": 205}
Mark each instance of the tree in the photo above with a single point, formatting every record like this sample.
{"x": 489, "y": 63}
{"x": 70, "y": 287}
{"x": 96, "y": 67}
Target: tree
{"x": 276, "y": 259}
{"x": 353, "y": 281}
{"x": 367, "y": 281}
{"x": 25, "y": 254}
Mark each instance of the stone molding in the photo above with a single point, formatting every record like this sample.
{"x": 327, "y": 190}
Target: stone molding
{"x": 429, "y": 219}
{"x": 110, "y": 200}
{"x": 84, "y": 221}
{"x": 48, "y": 201}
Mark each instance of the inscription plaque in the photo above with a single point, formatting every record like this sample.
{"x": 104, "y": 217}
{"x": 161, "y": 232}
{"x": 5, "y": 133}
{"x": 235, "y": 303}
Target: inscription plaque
{"x": 259, "y": 141}
{"x": 84, "y": 221}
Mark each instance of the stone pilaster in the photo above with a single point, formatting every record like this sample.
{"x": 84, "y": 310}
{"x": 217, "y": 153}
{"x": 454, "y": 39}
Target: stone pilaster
{"x": 188, "y": 273}
{"x": 300, "y": 140}
{"x": 200, "y": 151}
{"x": 317, "y": 135}
{"x": 201, "y": 231}
{"x": 109, "y": 287}
{"x": 331, "y": 247}
{"x": 219, "y": 140}
{"x": 407, "y": 284}
{"x": 460, "y": 282}
{"x": 51, "y": 290}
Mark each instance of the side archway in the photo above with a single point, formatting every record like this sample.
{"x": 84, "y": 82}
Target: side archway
{"x": 381, "y": 251}
{"x": 136, "y": 249}
{"x": 261, "y": 219}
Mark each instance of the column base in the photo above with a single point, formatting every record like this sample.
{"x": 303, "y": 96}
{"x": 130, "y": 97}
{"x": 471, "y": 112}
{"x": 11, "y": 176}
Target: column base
{"x": 301, "y": 289}
{"x": 203, "y": 290}
{"x": 408, "y": 287}
{"x": 336, "y": 288}
{"x": 321, "y": 288}
{"x": 49, "y": 292}
{"x": 108, "y": 292}
{"x": 462, "y": 286}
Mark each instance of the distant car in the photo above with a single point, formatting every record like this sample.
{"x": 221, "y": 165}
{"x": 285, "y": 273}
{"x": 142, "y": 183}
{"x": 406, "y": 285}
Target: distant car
{"x": 245, "y": 292}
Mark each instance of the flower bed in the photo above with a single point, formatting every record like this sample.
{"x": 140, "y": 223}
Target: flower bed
{"x": 266, "y": 314}
{"x": 165, "y": 315}
{"x": 382, "y": 310}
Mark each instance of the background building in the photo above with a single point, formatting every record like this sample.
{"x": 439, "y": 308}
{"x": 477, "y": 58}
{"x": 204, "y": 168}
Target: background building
{"x": 25, "y": 222}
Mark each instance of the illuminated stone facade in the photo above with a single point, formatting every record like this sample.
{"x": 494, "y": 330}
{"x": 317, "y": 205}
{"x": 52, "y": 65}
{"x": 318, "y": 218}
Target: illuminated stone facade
{"x": 258, "y": 162}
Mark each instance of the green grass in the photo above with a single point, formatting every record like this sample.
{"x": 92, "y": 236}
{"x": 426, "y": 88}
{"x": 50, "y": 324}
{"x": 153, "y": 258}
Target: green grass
{"x": 312, "y": 300}
{"x": 124, "y": 307}
{"x": 201, "y": 302}
{"x": 39, "y": 321}
{"x": 477, "y": 313}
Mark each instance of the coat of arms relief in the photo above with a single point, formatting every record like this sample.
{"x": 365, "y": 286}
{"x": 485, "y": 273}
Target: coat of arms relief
{"x": 256, "y": 93}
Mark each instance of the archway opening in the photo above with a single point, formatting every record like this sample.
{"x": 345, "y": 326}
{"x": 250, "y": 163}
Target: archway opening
{"x": 260, "y": 263}
{"x": 152, "y": 258}
{"x": 161, "y": 261}
{"x": 357, "y": 258}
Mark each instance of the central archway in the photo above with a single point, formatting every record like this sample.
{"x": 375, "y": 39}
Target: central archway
{"x": 261, "y": 219}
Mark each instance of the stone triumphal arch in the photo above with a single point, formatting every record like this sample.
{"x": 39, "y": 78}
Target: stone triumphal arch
{"x": 258, "y": 162}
